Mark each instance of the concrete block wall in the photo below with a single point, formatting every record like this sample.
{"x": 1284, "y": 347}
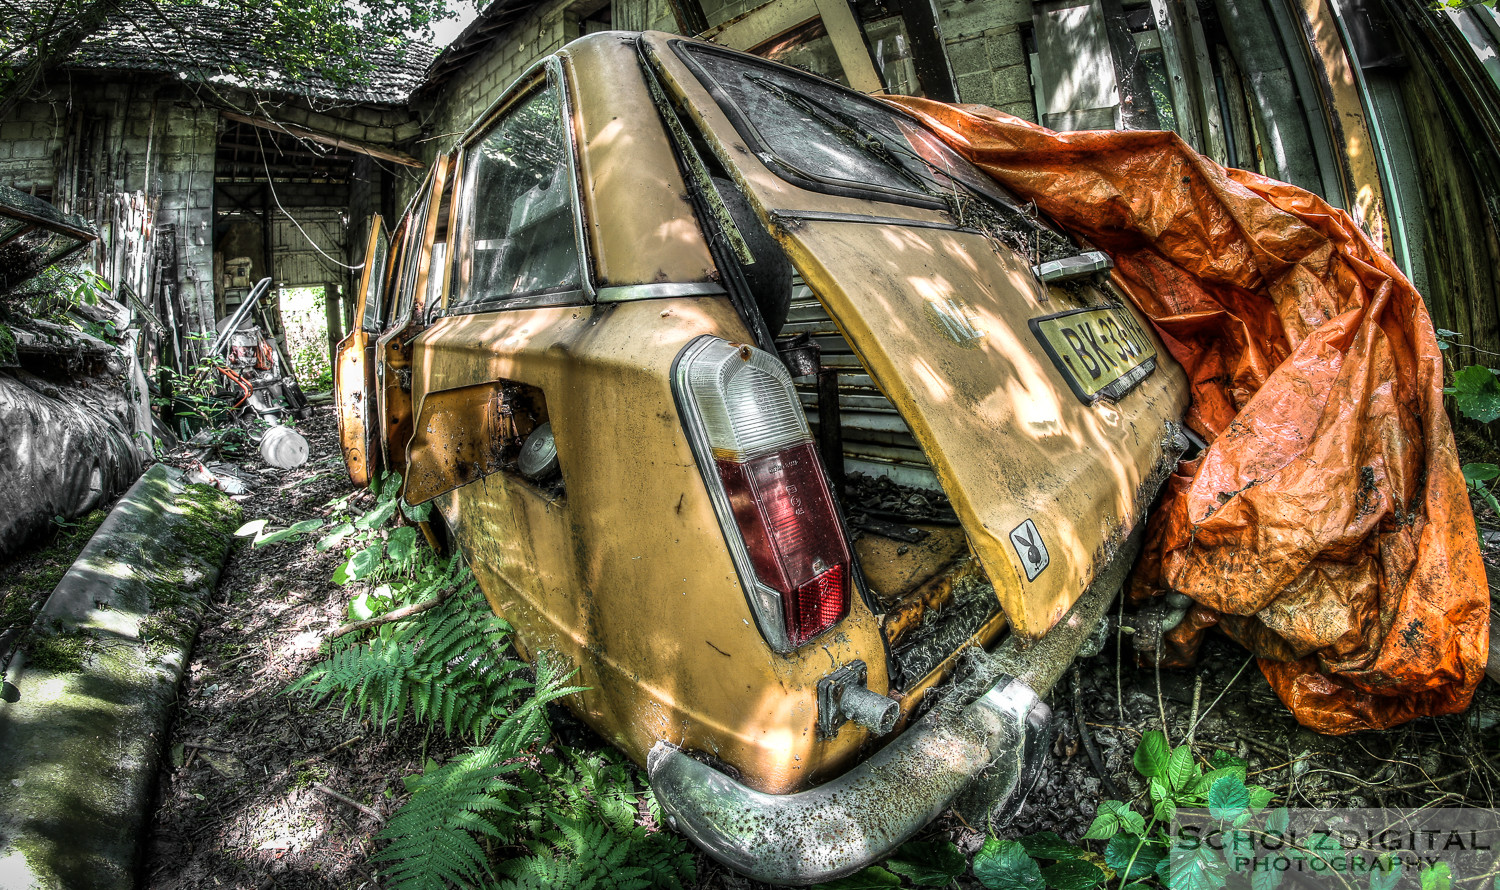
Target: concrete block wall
{"x": 139, "y": 126}
{"x": 29, "y": 142}
{"x": 719, "y": 11}
{"x": 457, "y": 103}
{"x": 987, "y": 54}
{"x": 643, "y": 15}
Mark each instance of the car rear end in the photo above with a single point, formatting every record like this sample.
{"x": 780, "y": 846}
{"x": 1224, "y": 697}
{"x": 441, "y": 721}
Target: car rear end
{"x": 958, "y": 427}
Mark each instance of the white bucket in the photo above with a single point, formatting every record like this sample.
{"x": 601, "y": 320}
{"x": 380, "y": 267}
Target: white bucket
{"x": 283, "y": 447}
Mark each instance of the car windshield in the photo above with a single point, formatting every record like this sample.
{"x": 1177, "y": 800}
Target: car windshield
{"x": 816, "y": 131}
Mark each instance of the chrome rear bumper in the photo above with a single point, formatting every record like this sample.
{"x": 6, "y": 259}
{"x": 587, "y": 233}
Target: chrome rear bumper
{"x": 839, "y": 827}
{"x": 980, "y": 749}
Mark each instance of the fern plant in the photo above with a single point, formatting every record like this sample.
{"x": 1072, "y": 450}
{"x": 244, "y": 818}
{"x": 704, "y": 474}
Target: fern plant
{"x": 588, "y": 853}
{"x": 433, "y": 836}
{"x": 587, "y": 836}
{"x": 449, "y": 667}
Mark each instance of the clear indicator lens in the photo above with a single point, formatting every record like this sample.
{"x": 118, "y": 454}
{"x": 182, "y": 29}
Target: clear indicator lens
{"x": 746, "y": 401}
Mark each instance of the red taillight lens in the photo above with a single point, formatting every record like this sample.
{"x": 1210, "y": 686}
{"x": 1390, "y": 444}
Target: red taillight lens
{"x": 743, "y": 418}
{"x": 818, "y": 605}
{"x": 786, "y": 516}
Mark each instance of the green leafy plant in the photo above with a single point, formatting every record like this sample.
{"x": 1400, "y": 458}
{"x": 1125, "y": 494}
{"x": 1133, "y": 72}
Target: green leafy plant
{"x": 445, "y": 663}
{"x": 434, "y": 839}
{"x": 1137, "y": 847}
{"x": 1476, "y": 395}
{"x": 449, "y": 670}
{"x": 581, "y": 827}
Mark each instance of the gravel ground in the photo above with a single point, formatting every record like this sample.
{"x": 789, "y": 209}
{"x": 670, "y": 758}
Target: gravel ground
{"x": 262, "y": 790}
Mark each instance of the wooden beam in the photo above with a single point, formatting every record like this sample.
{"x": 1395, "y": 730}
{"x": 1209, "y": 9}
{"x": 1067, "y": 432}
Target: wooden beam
{"x": 354, "y": 145}
{"x": 691, "y": 19}
{"x": 928, "y": 55}
{"x": 848, "y": 40}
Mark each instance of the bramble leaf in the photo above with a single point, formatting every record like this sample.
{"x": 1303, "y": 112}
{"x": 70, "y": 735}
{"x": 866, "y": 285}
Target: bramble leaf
{"x": 1073, "y": 874}
{"x": 250, "y": 529}
{"x": 306, "y": 526}
{"x": 872, "y": 878}
{"x": 1111, "y": 816}
{"x": 1476, "y": 473}
{"x": 362, "y": 564}
{"x": 1228, "y": 798}
{"x": 928, "y": 863}
{"x": 1386, "y": 872}
{"x": 1437, "y": 877}
{"x": 1133, "y": 852}
{"x": 1047, "y": 845}
{"x": 1181, "y": 770}
{"x": 1152, "y": 754}
{"x": 1197, "y": 869}
{"x": 1476, "y": 393}
{"x": 339, "y": 533}
{"x": 401, "y": 544}
{"x": 1004, "y": 865}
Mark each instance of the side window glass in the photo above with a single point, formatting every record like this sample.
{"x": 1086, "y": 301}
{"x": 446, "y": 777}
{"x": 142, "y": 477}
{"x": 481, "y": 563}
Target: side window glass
{"x": 375, "y": 281}
{"x": 416, "y": 227}
{"x": 516, "y": 232}
{"x": 395, "y": 263}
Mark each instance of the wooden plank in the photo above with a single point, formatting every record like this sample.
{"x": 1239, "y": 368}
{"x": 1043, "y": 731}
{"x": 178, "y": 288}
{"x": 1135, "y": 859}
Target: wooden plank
{"x": 849, "y": 42}
{"x": 1345, "y": 114}
{"x": 1245, "y": 154}
{"x": 929, "y": 57}
{"x": 354, "y": 145}
{"x": 1182, "y": 93}
{"x": 691, "y": 19}
{"x": 744, "y": 32}
{"x": 1208, "y": 94}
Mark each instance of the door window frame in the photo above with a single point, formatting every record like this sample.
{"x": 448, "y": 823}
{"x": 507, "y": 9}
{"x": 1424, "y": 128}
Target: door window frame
{"x": 547, "y": 73}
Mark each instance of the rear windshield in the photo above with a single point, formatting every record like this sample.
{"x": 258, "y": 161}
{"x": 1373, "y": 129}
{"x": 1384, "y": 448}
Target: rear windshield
{"x": 820, "y": 135}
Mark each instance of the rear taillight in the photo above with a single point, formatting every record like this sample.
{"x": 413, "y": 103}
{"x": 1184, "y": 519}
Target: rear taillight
{"x": 743, "y": 419}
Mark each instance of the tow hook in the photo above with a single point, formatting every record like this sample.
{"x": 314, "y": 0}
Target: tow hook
{"x": 844, "y": 695}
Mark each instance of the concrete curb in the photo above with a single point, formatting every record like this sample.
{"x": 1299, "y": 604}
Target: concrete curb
{"x": 80, "y": 749}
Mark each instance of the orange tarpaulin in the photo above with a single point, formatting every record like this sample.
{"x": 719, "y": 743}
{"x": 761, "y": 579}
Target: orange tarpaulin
{"x": 1327, "y": 527}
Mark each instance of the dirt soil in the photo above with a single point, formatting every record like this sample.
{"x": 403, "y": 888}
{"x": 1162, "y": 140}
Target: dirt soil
{"x": 247, "y": 793}
{"x": 250, "y": 796}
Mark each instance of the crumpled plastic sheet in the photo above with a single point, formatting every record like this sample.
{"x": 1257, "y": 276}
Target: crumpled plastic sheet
{"x": 62, "y": 453}
{"x": 1327, "y": 527}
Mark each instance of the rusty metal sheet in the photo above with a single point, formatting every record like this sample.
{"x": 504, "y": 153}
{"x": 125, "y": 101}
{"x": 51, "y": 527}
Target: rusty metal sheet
{"x": 458, "y": 439}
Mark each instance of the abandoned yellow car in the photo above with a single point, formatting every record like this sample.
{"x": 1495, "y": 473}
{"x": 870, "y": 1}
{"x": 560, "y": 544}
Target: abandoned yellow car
{"x": 818, "y": 454}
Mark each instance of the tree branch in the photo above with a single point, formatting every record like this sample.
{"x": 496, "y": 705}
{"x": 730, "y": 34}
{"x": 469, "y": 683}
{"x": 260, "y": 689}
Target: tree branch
{"x": 387, "y": 618}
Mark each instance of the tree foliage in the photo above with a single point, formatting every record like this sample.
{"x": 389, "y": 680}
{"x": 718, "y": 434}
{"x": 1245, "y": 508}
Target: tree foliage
{"x": 297, "y": 40}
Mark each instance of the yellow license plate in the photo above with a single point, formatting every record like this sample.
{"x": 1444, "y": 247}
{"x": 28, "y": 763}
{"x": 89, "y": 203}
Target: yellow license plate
{"x": 1103, "y": 353}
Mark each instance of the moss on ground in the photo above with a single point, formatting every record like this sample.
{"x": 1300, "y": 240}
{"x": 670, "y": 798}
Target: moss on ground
{"x": 214, "y": 518}
{"x": 29, "y": 579}
{"x": 58, "y": 650}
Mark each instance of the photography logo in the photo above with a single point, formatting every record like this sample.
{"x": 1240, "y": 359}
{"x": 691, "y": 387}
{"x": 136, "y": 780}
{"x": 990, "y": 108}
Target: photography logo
{"x": 1348, "y": 849}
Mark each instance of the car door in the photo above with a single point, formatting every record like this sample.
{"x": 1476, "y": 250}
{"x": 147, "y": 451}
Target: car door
{"x": 502, "y": 356}
{"x": 354, "y": 365}
{"x": 419, "y": 274}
